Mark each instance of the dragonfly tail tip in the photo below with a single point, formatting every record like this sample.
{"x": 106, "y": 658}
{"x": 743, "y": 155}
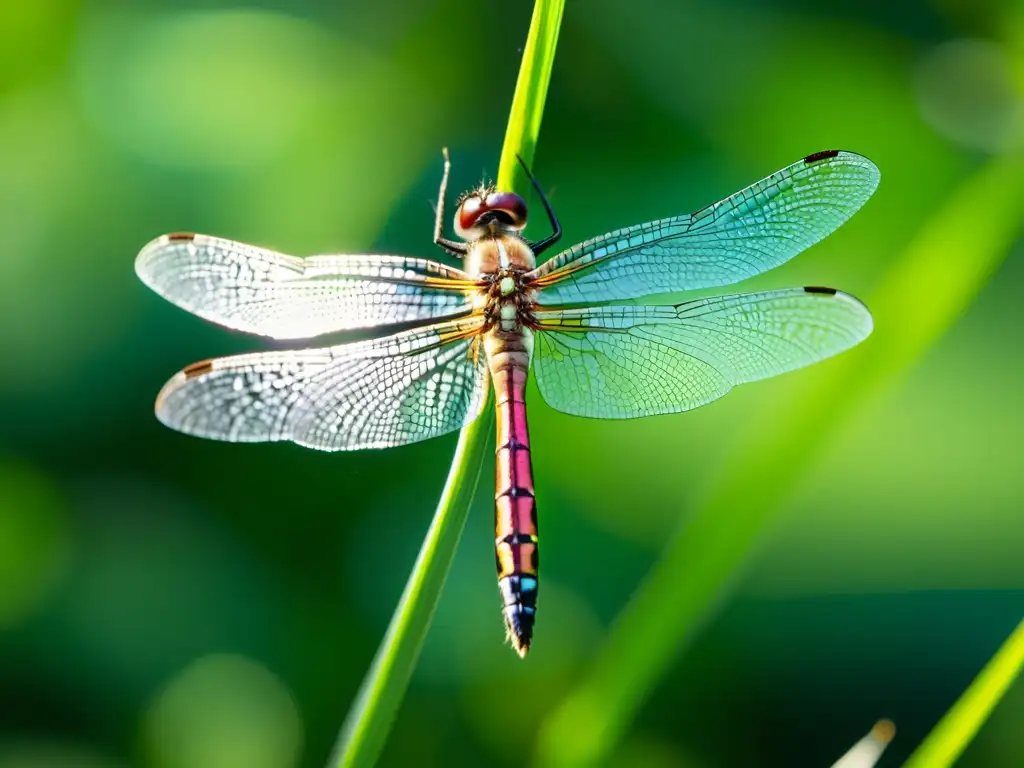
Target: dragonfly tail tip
{"x": 519, "y": 635}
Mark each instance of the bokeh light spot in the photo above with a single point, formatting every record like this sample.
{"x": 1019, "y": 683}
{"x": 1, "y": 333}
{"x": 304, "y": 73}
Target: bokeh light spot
{"x": 224, "y": 711}
{"x": 966, "y": 90}
{"x": 219, "y": 88}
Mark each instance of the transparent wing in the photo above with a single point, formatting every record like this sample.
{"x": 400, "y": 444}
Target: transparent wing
{"x": 623, "y": 362}
{"x": 284, "y": 297}
{"x": 399, "y": 389}
{"x": 753, "y": 231}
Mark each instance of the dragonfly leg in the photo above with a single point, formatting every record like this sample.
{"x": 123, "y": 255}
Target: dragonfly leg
{"x": 455, "y": 249}
{"x": 541, "y": 245}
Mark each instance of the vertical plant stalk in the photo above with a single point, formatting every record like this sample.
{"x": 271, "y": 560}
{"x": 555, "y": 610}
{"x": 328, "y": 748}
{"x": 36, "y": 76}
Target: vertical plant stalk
{"x": 954, "y": 732}
{"x": 924, "y": 292}
{"x": 531, "y": 93}
{"x": 369, "y": 721}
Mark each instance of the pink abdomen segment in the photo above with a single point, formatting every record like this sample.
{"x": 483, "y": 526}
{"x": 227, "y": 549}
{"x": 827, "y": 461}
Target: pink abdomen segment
{"x": 515, "y": 521}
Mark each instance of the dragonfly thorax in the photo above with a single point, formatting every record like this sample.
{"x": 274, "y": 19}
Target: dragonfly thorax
{"x": 500, "y": 264}
{"x": 499, "y": 256}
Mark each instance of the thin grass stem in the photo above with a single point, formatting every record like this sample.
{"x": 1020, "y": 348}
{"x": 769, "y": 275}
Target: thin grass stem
{"x": 954, "y": 732}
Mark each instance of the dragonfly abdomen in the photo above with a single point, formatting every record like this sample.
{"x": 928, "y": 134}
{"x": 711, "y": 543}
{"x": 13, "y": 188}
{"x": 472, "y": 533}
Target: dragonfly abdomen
{"x": 515, "y": 517}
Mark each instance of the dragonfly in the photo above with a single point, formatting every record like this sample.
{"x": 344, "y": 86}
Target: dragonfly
{"x": 585, "y": 322}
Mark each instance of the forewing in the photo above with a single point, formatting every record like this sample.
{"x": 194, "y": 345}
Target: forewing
{"x": 284, "y": 297}
{"x": 623, "y": 362}
{"x": 753, "y": 231}
{"x": 400, "y": 389}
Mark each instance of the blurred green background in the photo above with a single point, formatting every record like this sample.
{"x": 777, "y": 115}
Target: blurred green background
{"x": 170, "y": 602}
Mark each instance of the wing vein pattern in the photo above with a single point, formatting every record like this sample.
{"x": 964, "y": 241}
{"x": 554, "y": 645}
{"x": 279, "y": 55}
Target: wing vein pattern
{"x": 399, "y": 389}
{"x": 622, "y": 362}
{"x": 746, "y": 234}
{"x": 285, "y": 297}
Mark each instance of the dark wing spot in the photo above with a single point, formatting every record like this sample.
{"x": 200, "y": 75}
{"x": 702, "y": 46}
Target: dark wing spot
{"x": 197, "y": 369}
{"x": 824, "y": 155}
{"x": 820, "y": 289}
{"x": 181, "y": 237}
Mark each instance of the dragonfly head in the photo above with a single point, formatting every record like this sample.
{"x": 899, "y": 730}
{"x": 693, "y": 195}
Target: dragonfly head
{"x": 486, "y": 211}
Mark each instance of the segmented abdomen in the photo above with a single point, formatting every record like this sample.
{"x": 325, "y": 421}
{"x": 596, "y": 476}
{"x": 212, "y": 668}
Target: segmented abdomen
{"x": 515, "y": 520}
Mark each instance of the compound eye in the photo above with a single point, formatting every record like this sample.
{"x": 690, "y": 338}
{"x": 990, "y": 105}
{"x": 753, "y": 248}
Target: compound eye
{"x": 470, "y": 210}
{"x": 510, "y": 204}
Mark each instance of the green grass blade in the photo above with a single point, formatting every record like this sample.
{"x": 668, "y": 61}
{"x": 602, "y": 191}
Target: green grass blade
{"x": 369, "y": 720}
{"x": 366, "y": 728}
{"x": 531, "y": 92}
{"x": 954, "y": 732}
{"x": 924, "y": 293}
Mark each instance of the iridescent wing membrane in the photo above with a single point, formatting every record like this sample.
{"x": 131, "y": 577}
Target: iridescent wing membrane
{"x": 399, "y": 389}
{"x": 410, "y": 386}
{"x": 284, "y": 297}
{"x": 624, "y": 362}
{"x": 621, "y": 362}
{"x": 754, "y": 230}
